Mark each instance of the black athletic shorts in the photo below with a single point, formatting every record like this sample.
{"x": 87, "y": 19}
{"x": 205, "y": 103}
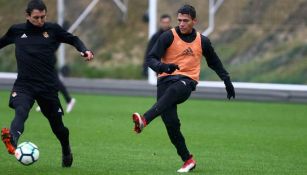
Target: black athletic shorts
{"x": 26, "y": 96}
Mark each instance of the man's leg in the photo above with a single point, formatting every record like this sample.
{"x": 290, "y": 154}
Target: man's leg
{"x": 69, "y": 101}
{"x": 167, "y": 97}
{"x": 172, "y": 124}
{"x": 21, "y": 103}
{"x": 64, "y": 91}
{"x": 139, "y": 121}
{"x": 52, "y": 110}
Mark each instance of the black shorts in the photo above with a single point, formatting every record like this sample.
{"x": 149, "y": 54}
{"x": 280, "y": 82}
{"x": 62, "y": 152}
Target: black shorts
{"x": 48, "y": 101}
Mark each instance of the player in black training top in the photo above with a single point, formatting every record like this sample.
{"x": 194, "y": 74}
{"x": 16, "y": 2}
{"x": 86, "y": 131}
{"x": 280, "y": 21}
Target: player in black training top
{"x": 35, "y": 44}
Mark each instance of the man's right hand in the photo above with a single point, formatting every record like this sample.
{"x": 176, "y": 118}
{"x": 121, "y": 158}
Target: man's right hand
{"x": 169, "y": 68}
{"x": 89, "y": 55}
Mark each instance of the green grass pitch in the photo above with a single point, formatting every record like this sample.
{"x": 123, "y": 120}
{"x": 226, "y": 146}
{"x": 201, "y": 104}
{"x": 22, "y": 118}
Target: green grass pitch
{"x": 226, "y": 138}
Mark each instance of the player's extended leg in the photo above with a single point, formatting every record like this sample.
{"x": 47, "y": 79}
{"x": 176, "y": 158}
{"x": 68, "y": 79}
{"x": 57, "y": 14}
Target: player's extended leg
{"x": 52, "y": 110}
{"x": 172, "y": 124}
{"x": 140, "y": 121}
{"x": 21, "y": 103}
{"x": 168, "y": 94}
{"x": 167, "y": 97}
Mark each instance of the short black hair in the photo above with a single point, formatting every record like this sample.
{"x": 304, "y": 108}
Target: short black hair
{"x": 35, "y": 4}
{"x": 165, "y": 16}
{"x": 187, "y": 9}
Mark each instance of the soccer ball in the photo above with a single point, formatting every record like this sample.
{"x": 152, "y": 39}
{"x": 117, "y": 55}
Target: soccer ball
{"x": 27, "y": 153}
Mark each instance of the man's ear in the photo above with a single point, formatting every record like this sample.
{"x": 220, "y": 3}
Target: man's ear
{"x": 195, "y": 21}
{"x": 27, "y": 16}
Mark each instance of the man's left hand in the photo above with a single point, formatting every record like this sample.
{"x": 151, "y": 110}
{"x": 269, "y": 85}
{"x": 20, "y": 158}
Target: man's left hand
{"x": 230, "y": 89}
{"x": 89, "y": 55}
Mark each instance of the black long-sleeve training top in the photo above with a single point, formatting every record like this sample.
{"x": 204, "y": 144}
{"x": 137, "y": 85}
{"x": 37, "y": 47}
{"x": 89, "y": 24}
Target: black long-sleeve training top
{"x": 166, "y": 39}
{"x": 152, "y": 41}
{"x": 35, "y": 49}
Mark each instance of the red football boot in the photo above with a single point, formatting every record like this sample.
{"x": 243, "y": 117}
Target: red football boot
{"x": 188, "y": 166}
{"x": 139, "y": 122}
{"x": 6, "y": 139}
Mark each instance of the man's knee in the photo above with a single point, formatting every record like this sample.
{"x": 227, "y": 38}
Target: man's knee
{"x": 22, "y": 111}
{"x": 171, "y": 123}
{"x": 56, "y": 123}
{"x": 60, "y": 130}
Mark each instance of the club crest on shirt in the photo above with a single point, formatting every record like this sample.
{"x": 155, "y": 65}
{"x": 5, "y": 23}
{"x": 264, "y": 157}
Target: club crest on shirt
{"x": 14, "y": 94}
{"x": 45, "y": 34}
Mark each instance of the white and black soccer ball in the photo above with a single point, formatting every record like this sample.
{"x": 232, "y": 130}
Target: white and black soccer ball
{"x": 27, "y": 153}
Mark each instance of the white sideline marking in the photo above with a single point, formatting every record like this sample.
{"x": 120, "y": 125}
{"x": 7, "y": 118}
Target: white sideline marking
{"x": 220, "y": 84}
{"x": 7, "y": 75}
{"x": 262, "y": 86}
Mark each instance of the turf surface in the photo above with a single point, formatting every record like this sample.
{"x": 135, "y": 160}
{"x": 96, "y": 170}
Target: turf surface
{"x": 227, "y": 138}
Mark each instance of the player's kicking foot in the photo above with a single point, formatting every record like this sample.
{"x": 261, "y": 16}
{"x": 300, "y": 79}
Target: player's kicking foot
{"x": 7, "y": 140}
{"x": 139, "y": 122}
{"x": 70, "y": 105}
{"x": 188, "y": 166}
{"x": 67, "y": 159}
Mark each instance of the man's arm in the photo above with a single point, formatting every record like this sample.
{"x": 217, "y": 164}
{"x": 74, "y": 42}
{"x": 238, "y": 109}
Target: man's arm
{"x": 7, "y": 38}
{"x": 212, "y": 59}
{"x": 215, "y": 63}
{"x": 63, "y": 36}
{"x": 158, "y": 51}
{"x": 151, "y": 43}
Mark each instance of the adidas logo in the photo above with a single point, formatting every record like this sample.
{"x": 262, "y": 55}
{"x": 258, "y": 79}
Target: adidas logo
{"x": 188, "y": 52}
{"x": 24, "y": 36}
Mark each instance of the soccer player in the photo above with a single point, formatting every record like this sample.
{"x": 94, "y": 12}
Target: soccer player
{"x": 181, "y": 50}
{"x": 165, "y": 25}
{"x": 35, "y": 45}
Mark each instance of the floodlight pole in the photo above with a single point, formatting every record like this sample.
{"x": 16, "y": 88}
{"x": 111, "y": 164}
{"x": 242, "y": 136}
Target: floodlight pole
{"x": 61, "y": 50}
{"x": 123, "y": 6}
{"x": 152, "y": 78}
{"x": 73, "y": 27}
{"x": 213, "y": 7}
{"x": 83, "y": 15}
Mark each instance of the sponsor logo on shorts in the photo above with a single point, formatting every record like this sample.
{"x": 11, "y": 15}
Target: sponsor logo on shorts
{"x": 24, "y": 36}
{"x": 183, "y": 82}
{"x": 14, "y": 94}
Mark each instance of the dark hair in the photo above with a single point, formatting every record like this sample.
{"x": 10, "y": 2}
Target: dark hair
{"x": 165, "y": 16}
{"x": 35, "y": 4}
{"x": 187, "y": 9}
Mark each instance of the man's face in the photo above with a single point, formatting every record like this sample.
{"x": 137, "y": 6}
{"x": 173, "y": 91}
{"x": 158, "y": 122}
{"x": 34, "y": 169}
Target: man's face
{"x": 165, "y": 23}
{"x": 37, "y": 18}
{"x": 185, "y": 23}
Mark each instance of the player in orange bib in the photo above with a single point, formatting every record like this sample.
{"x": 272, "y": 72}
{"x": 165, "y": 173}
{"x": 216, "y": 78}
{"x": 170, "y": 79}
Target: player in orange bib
{"x": 181, "y": 50}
